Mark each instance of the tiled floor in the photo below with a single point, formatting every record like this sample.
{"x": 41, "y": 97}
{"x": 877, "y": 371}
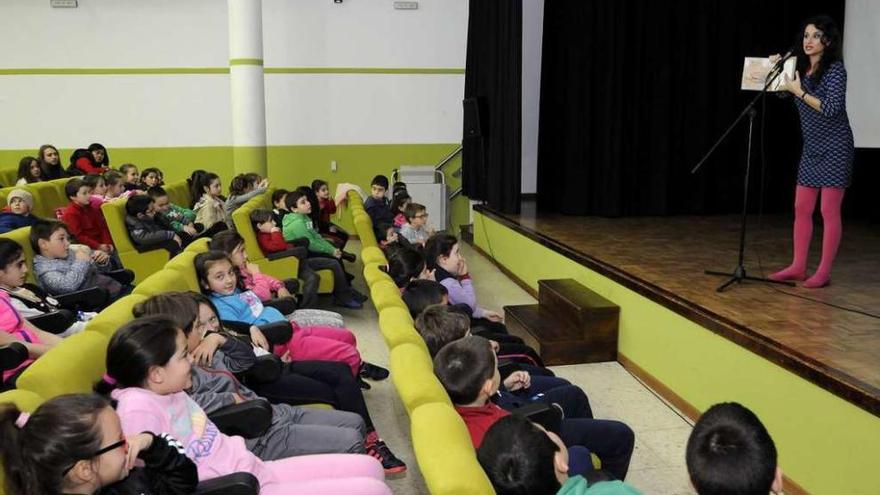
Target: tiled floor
{"x": 657, "y": 465}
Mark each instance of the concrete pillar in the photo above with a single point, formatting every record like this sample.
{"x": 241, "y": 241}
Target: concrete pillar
{"x": 246, "y": 86}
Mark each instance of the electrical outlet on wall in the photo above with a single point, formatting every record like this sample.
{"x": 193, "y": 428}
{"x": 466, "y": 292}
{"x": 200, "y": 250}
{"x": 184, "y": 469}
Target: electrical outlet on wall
{"x": 333, "y": 166}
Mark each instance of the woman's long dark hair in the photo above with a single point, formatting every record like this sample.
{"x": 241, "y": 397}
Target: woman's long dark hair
{"x": 24, "y": 169}
{"x": 831, "y": 38}
{"x": 98, "y": 146}
{"x": 61, "y": 432}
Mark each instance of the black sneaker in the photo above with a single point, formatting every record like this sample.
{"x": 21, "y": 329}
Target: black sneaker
{"x": 373, "y": 372}
{"x": 383, "y": 454}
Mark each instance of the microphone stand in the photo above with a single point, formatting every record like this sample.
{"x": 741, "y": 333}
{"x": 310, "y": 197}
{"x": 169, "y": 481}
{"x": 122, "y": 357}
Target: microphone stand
{"x": 739, "y": 273}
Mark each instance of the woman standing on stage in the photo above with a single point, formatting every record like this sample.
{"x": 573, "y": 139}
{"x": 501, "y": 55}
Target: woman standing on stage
{"x": 827, "y": 158}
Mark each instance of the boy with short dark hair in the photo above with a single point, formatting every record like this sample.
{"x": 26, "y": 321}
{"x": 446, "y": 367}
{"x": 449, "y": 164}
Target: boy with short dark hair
{"x": 378, "y": 207}
{"x": 414, "y": 229}
{"x": 521, "y": 457}
{"x": 84, "y": 220}
{"x": 61, "y": 268}
{"x": 180, "y": 219}
{"x": 730, "y": 451}
{"x": 471, "y": 390}
{"x": 146, "y": 234}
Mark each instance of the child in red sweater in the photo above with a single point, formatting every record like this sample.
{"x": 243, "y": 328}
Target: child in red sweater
{"x": 85, "y": 221}
{"x": 269, "y": 235}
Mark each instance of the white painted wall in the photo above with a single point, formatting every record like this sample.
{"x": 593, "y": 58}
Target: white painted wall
{"x": 194, "y": 110}
{"x": 532, "y": 40}
{"x": 116, "y": 110}
{"x": 861, "y": 45}
{"x": 364, "y": 108}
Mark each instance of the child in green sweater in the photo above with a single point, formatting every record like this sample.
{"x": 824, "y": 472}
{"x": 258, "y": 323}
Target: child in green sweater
{"x": 322, "y": 254}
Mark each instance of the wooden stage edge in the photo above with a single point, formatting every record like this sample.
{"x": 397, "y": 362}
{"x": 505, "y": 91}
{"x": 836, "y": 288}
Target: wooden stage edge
{"x": 834, "y": 381}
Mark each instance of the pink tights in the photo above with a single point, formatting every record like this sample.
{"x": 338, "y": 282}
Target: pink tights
{"x": 325, "y": 475}
{"x": 804, "y": 204}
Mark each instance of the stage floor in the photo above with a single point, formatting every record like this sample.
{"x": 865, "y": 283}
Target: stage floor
{"x": 663, "y": 258}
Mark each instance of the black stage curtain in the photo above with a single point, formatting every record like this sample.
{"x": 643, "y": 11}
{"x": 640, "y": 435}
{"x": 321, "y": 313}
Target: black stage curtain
{"x": 493, "y": 84}
{"x": 634, "y": 92}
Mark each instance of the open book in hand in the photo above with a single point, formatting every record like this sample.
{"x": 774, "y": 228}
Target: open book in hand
{"x": 756, "y": 70}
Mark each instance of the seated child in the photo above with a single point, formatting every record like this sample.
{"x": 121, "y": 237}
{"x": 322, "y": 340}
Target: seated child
{"x": 400, "y": 201}
{"x": 180, "y": 219}
{"x": 219, "y": 280}
{"x": 146, "y": 234}
{"x": 84, "y": 221}
{"x": 75, "y": 444}
{"x": 150, "y": 177}
{"x": 730, "y": 451}
{"x": 378, "y": 207}
{"x": 131, "y": 177}
{"x": 17, "y": 213}
{"x": 414, "y": 229}
{"x": 327, "y": 207}
{"x": 30, "y": 301}
{"x": 99, "y": 188}
{"x": 612, "y": 441}
{"x": 114, "y": 183}
{"x": 219, "y": 354}
{"x": 29, "y": 171}
{"x": 14, "y": 328}
{"x": 521, "y": 457}
{"x": 61, "y": 268}
{"x": 242, "y": 188}
{"x": 279, "y": 209}
{"x": 297, "y": 224}
{"x": 208, "y": 203}
{"x": 450, "y": 269}
{"x": 100, "y": 158}
{"x": 421, "y": 294}
{"x": 148, "y": 371}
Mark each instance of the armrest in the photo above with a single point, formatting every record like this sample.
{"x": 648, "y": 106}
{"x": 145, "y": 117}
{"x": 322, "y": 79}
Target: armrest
{"x": 547, "y": 415}
{"x": 54, "y": 321}
{"x": 506, "y": 367}
{"x": 285, "y": 305}
{"x": 249, "y": 419}
{"x": 277, "y": 333}
{"x": 124, "y": 276}
{"x": 298, "y": 252}
{"x": 11, "y": 355}
{"x": 90, "y": 299}
{"x": 232, "y": 484}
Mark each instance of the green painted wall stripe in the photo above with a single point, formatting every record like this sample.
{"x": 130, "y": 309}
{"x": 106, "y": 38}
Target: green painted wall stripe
{"x": 112, "y": 71}
{"x": 245, "y": 61}
{"x": 102, "y": 71}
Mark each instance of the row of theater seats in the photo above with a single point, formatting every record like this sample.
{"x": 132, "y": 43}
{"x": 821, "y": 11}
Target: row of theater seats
{"x": 78, "y": 362}
{"x": 440, "y": 439}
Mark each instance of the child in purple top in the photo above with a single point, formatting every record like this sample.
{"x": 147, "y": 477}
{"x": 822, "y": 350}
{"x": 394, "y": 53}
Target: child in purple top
{"x": 149, "y": 367}
{"x": 450, "y": 269}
